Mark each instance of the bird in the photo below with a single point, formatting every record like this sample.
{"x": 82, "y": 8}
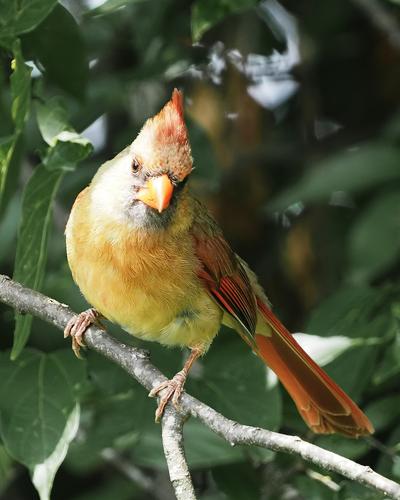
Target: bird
{"x": 149, "y": 257}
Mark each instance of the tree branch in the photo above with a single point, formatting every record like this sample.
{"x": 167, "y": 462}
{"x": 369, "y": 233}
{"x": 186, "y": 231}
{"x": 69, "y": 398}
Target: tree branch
{"x": 172, "y": 438}
{"x": 137, "y": 364}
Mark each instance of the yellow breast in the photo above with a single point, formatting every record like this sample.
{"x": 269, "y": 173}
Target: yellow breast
{"x": 149, "y": 286}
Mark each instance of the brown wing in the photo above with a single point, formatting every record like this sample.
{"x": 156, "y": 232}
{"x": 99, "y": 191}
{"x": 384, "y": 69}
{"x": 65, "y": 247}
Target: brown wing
{"x": 223, "y": 274}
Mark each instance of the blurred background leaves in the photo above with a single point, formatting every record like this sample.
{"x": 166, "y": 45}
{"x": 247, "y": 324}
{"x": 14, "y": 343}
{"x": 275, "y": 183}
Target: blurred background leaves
{"x": 294, "y": 118}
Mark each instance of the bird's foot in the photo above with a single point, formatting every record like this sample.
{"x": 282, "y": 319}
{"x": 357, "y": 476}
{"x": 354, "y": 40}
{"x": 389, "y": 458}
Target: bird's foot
{"x": 77, "y": 326}
{"x": 173, "y": 390}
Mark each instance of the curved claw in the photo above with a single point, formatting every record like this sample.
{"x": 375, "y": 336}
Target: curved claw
{"x": 77, "y": 326}
{"x": 173, "y": 390}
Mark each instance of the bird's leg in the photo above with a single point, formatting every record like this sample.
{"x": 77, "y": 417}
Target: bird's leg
{"x": 77, "y": 326}
{"x": 174, "y": 387}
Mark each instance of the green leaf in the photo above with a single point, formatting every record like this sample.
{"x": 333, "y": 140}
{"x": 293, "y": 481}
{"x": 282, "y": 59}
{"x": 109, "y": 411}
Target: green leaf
{"x": 7, "y": 148}
{"x": 353, "y": 172}
{"x": 20, "y": 88}
{"x": 363, "y": 315}
{"x": 374, "y": 243}
{"x": 33, "y": 234}
{"x": 384, "y": 412}
{"x": 67, "y": 147}
{"x": 237, "y": 387}
{"x": 203, "y": 448}
{"x": 207, "y": 13}
{"x": 6, "y": 468}
{"x": 20, "y": 94}
{"x": 52, "y": 118}
{"x": 43, "y": 474}
{"x": 346, "y": 447}
{"x": 351, "y": 490}
{"x": 37, "y": 396}
{"x": 69, "y": 150}
{"x": 23, "y": 15}
{"x": 110, "y": 6}
{"x": 118, "y": 411}
{"x": 390, "y": 363}
{"x": 64, "y": 59}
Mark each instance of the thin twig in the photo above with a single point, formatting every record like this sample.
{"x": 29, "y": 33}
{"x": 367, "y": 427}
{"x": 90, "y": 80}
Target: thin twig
{"x": 137, "y": 364}
{"x": 172, "y": 439}
{"x": 128, "y": 469}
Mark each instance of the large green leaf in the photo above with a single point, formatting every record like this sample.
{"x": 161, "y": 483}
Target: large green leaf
{"x": 234, "y": 381}
{"x": 352, "y": 171}
{"x": 20, "y": 93}
{"x": 66, "y": 149}
{"x": 37, "y": 395}
{"x": 43, "y": 473}
{"x": 23, "y": 15}
{"x": 33, "y": 234}
{"x": 207, "y": 13}
{"x": 374, "y": 242}
{"x": 117, "y": 412}
{"x": 64, "y": 59}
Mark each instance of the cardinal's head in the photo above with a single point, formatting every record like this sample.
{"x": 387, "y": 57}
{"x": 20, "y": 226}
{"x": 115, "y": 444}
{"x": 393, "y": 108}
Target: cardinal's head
{"x": 145, "y": 183}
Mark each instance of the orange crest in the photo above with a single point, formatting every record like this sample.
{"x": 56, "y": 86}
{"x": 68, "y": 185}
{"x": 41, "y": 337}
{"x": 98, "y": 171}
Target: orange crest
{"x": 169, "y": 123}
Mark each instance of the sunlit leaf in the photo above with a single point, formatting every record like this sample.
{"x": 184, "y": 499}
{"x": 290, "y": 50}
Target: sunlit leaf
{"x": 23, "y": 16}
{"x": 374, "y": 242}
{"x": 37, "y": 396}
{"x": 43, "y": 473}
{"x": 207, "y": 13}
{"x": 64, "y": 60}
{"x": 353, "y": 171}
{"x": 110, "y": 6}
{"x": 67, "y": 147}
{"x": 52, "y": 119}
{"x": 323, "y": 350}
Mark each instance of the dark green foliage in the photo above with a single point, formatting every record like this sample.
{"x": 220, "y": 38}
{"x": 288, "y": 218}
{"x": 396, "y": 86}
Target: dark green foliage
{"x": 292, "y": 110}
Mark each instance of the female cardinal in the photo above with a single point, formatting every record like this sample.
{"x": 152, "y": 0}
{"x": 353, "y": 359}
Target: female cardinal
{"x": 149, "y": 257}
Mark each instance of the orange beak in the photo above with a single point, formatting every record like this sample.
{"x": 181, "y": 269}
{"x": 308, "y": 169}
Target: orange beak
{"x": 157, "y": 192}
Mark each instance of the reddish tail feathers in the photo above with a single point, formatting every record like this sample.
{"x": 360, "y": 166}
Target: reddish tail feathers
{"x": 323, "y": 404}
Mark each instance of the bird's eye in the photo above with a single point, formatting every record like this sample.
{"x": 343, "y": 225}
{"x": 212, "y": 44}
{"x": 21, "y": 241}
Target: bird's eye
{"x": 135, "y": 166}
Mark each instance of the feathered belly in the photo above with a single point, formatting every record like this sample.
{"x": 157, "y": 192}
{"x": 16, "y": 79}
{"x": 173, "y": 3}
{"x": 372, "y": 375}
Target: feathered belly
{"x": 162, "y": 303}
